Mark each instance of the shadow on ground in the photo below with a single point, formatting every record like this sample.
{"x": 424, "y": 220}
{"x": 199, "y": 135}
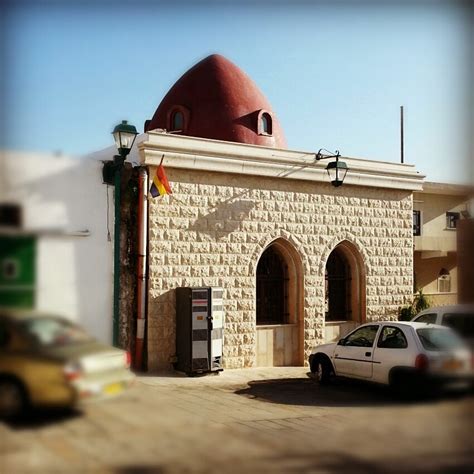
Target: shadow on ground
{"x": 175, "y": 374}
{"x": 40, "y": 418}
{"x": 349, "y": 393}
{"x": 327, "y": 462}
{"x": 140, "y": 470}
{"x": 342, "y": 463}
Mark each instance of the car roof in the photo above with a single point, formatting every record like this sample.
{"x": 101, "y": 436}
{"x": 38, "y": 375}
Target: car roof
{"x": 412, "y": 324}
{"x": 451, "y": 308}
{"x": 19, "y": 314}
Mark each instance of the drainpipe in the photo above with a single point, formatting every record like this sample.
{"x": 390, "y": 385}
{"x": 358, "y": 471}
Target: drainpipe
{"x": 118, "y": 164}
{"x": 142, "y": 238}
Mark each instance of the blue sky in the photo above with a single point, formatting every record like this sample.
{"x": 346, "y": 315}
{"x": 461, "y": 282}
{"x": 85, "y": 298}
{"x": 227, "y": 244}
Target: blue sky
{"x": 335, "y": 73}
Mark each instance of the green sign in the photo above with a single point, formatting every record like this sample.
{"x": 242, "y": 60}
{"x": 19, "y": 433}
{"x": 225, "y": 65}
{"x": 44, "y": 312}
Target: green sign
{"x": 17, "y": 271}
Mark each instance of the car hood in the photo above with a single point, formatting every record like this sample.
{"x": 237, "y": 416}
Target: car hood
{"x": 326, "y": 348}
{"x": 78, "y": 351}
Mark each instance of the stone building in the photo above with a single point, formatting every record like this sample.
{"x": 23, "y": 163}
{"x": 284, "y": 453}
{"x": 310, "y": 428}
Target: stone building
{"x": 300, "y": 261}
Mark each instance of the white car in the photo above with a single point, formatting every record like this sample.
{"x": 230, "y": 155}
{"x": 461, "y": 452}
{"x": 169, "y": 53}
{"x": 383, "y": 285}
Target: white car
{"x": 395, "y": 353}
{"x": 459, "y": 317}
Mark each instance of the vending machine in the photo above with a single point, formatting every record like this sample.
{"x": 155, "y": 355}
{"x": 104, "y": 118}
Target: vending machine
{"x": 199, "y": 330}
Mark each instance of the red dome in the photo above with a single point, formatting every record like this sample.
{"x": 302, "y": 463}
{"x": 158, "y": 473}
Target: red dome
{"x": 215, "y": 99}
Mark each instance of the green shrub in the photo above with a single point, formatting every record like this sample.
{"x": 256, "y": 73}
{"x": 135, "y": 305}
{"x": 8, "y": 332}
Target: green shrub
{"x": 406, "y": 313}
{"x": 420, "y": 302}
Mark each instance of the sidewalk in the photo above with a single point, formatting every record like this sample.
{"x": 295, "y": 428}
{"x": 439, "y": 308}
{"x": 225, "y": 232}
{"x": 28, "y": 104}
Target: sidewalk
{"x": 251, "y": 420}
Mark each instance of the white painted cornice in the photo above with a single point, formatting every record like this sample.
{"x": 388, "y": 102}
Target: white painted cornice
{"x": 239, "y": 158}
{"x": 447, "y": 189}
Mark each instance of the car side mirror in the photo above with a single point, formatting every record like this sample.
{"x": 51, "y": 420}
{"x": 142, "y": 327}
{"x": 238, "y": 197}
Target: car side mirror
{"x": 341, "y": 342}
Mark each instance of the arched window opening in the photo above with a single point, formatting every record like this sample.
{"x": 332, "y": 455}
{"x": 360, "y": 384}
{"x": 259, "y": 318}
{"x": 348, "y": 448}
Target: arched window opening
{"x": 444, "y": 281}
{"x": 272, "y": 288}
{"x": 266, "y": 124}
{"x": 338, "y": 287}
{"x": 177, "y": 121}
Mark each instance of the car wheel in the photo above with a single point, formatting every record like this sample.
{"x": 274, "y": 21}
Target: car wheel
{"x": 322, "y": 371}
{"x": 12, "y": 398}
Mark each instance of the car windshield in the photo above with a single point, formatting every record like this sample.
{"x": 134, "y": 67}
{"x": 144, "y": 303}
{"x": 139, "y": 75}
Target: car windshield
{"x": 437, "y": 339}
{"x": 49, "y": 331}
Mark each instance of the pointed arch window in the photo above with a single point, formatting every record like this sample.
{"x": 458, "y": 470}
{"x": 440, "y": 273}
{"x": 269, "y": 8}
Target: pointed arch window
{"x": 338, "y": 287}
{"x": 272, "y": 288}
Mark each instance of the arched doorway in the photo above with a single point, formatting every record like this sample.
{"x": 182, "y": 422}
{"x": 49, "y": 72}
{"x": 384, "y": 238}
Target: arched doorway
{"x": 279, "y": 309}
{"x": 344, "y": 291}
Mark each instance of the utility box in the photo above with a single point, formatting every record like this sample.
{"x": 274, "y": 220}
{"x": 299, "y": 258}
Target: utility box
{"x": 199, "y": 330}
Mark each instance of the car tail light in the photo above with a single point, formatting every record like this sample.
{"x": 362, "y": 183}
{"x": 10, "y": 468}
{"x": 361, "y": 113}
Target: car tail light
{"x": 72, "y": 371}
{"x": 422, "y": 362}
{"x": 128, "y": 359}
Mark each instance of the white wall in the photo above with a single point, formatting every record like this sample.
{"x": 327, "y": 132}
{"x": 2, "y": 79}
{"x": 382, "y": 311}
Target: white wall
{"x": 65, "y": 204}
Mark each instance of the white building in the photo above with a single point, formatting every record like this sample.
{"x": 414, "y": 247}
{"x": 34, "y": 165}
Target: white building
{"x": 55, "y": 251}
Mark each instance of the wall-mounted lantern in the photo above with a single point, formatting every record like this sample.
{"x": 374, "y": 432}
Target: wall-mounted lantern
{"x": 124, "y": 136}
{"x": 337, "y": 169}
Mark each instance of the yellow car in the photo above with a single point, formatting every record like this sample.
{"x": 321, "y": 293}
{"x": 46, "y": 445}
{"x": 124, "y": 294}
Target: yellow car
{"x": 49, "y": 361}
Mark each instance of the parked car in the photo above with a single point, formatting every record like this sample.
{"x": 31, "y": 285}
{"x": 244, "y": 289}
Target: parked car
{"x": 395, "y": 353}
{"x": 459, "y": 317}
{"x": 49, "y": 361}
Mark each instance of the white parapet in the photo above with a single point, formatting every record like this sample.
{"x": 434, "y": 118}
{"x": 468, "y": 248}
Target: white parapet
{"x": 238, "y": 158}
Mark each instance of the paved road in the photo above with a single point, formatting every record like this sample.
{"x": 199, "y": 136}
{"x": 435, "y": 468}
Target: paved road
{"x": 253, "y": 420}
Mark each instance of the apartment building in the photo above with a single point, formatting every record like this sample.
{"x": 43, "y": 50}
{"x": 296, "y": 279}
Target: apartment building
{"x": 437, "y": 211}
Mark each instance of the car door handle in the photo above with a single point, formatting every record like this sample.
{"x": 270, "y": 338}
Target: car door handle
{"x": 368, "y": 354}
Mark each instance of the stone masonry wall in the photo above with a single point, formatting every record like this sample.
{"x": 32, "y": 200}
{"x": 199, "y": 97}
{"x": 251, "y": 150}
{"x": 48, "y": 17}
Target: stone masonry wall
{"x": 213, "y": 229}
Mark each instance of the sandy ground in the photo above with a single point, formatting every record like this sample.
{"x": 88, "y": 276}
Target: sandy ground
{"x": 252, "y": 421}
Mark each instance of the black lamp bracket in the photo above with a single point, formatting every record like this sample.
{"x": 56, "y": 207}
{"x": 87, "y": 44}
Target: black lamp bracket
{"x": 323, "y": 156}
{"x": 110, "y": 167}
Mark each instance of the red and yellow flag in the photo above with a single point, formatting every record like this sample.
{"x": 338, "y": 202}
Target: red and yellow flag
{"x": 160, "y": 185}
